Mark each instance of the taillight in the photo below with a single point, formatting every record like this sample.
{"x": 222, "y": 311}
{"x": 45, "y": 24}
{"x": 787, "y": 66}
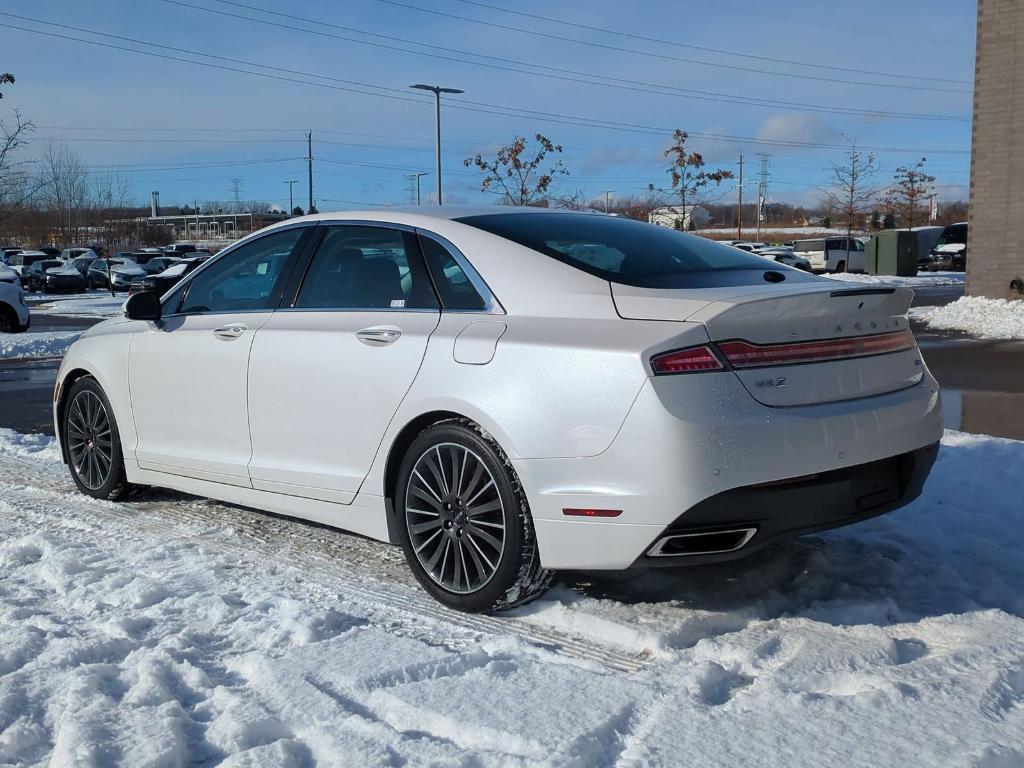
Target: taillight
{"x": 744, "y": 354}
{"x": 690, "y": 360}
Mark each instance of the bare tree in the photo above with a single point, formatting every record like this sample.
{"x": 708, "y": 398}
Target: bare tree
{"x": 16, "y": 187}
{"x": 5, "y": 79}
{"x": 911, "y": 185}
{"x": 689, "y": 178}
{"x": 64, "y": 182}
{"x": 514, "y": 174}
{"x": 851, "y": 189}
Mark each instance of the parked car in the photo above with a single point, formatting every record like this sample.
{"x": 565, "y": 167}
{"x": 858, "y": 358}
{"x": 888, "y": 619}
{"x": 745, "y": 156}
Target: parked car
{"x": 22, "y": 260}
{"x": 459, "y": 382}
{"x": 122, "y": 273}
{"x": 163, "y": 282}
{"x": 6, "y": 254}
{"x": 950, "y": 251}
{"x": 55, "y": 276}
{"x": 157, "y": 264}
{"x": 749, "y": 247}
{"x": 8, "y": 275}
{"x": 14, "y": 313}
{"x": 49, "y": 250}
{"x": 70, "y": 254}
{"x": 830, "y": 254}
{"x": 179, "y": 249}
{"x": 783, "y": 254}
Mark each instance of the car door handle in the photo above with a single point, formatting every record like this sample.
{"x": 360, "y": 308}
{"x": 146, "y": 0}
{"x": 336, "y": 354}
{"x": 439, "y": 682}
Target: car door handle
{"x": 379, "y": 336}
{"x": 229, "y": 332}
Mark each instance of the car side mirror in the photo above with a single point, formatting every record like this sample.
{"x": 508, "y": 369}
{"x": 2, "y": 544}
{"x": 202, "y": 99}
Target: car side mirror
{"x": 143, "y": 306}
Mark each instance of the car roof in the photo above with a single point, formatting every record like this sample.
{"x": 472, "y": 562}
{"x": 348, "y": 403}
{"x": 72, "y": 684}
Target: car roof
{"x": 446, "y": 212}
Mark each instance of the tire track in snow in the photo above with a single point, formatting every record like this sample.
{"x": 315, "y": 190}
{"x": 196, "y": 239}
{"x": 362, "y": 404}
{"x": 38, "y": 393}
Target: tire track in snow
{"x": 300, "y": 548}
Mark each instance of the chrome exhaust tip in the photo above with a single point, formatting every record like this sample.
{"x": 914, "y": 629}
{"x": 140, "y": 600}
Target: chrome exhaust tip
{"x": 709, "y": 543}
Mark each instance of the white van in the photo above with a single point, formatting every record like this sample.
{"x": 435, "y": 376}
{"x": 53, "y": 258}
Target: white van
{"x": 829, "y": 254}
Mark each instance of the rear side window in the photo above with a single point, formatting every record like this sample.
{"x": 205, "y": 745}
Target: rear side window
{"x": 627, "y": 251}
{"x": 367, "y": 268}
{"x": 453, "y": 284}
{"x": 954, "y": 233}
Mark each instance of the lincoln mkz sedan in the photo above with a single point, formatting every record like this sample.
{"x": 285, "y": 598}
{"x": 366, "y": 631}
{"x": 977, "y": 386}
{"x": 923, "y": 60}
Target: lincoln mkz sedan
{"x": 506, "y": 393}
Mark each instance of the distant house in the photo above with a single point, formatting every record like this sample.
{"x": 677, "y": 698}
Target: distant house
{"x": 687, "y": 218}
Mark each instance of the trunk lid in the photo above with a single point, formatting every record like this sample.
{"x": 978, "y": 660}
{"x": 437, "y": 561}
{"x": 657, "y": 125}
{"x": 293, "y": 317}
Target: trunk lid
{"x": 810, "y": 327}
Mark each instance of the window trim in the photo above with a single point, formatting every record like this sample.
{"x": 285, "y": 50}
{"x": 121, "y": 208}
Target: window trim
{"x": 294, "y": 286}
{"x": 183, "y": 286}
{"x": 491, "y": 304}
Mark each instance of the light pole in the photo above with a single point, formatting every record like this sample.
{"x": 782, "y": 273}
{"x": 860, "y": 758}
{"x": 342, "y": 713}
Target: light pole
{"x": 291, "y": 199}
{"x": 437, "y": 90}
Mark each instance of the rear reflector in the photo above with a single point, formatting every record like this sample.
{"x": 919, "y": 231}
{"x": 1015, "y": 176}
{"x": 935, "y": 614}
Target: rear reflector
{"x": 686, "y": 361}
{"x": 743, "y": 354}
{"x": 592, "y": 512}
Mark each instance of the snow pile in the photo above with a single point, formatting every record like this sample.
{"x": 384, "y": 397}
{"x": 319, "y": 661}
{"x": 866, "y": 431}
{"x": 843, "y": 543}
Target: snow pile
{"x": 37, "y": 447}
{"x": 46, "y": 344}
{"x": 921, "y": 280}
{"x": 170, "y": 631}
{"x": 979, "y": 316}
{"x": 97, "y": 304}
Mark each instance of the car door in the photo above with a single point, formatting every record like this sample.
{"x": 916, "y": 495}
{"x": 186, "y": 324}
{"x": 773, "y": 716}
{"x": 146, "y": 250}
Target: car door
{"x": 187, "y": 373}
{"x": 330, "y": 368}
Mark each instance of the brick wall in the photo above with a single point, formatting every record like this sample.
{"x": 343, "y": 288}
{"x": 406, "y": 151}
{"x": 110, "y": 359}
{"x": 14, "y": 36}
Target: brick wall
{"x": 995, "y": 251}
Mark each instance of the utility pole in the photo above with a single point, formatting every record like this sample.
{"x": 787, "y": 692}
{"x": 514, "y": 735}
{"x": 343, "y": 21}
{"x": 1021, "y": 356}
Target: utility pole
{"x": 607, "y": 194}
{"x": 739, "y": 212}
{"x": 763, "y": 183}
{"x": 309, "y": 163}
{"x": 437, "y": 90}
{"x": 414, "y": 185}
{"x": 291, "y": 198}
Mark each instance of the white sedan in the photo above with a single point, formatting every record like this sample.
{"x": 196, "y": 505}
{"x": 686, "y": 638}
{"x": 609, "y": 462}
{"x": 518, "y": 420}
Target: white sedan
{"x": 508, "y": 392}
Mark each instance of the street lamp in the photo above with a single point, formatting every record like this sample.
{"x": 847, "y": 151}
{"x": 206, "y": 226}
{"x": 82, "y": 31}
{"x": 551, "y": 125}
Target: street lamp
{"x": 437, "y": 91}
{"x": 291, "y": 200}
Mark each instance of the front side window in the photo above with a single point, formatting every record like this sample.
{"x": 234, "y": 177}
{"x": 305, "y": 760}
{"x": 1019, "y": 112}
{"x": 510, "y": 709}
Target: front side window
{"x": 453, "y": 284}
{"x": 245, "y": 279}
{"x": 357, "y": 267}
{"x": 627, "y": 251}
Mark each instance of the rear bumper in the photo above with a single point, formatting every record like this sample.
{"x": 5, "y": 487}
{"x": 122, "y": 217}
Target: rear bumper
{"x": 690, "y": 439}
{"x": 782, "y": 510}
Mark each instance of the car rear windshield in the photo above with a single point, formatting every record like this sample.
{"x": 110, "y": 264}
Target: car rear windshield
{"x": 627, "y": 251}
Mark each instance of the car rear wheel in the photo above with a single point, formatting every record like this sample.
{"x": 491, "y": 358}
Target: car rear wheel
{"x": 7, "y": 320}
{"x": 92, "y": 443}
{"x": 464, "y": 521}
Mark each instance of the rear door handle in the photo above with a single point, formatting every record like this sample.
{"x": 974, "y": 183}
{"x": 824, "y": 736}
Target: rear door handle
{"x": 229, "y": 332}
{"x": 379, "y": 336}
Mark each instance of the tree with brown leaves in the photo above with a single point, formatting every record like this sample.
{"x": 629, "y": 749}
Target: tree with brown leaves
{"x": 911, "y": 185}
{"x": 690, "y": 179}
{"x": 513, "y": 173}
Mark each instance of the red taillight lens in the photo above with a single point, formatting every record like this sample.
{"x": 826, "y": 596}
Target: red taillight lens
{"x": 689, "y": 360}
{"x": 743, "y": 354}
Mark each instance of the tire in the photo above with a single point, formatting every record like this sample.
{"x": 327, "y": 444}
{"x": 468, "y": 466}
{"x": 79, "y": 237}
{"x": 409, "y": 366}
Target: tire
{"x": 458, "y": 499}
{"x": 8, "y": 323}
{"x": 92, "y": 443}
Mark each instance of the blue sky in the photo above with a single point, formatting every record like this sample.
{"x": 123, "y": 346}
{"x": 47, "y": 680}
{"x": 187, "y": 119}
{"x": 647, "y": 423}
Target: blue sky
{"x": 150, "y": 116}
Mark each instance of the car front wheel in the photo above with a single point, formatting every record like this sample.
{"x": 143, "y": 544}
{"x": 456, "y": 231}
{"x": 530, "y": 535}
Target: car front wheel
{"x": 464, "y": 521}
{"x": 92, "y": 443}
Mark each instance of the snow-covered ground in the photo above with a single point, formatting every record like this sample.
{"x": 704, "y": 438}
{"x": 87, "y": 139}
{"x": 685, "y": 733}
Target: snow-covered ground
{"x": 978, "y": 316}
{"x": 91, "y": 304}
{"x": 45, "y": 344}
{"x": 172, "y": 631}
{"x": 921, "y": 280}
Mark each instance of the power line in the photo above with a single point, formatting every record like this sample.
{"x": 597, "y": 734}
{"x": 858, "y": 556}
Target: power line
{"x": 562, "y": 39}
{"x": 676, "y": 43}
{"x": 569, "y": 75}
{"x": 463, "y": 104}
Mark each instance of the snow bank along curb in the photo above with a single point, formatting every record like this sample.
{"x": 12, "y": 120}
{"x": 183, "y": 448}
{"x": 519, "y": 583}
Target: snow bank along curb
{"x": 175, "y": 631}
{"x": 29, "y": 345}
{"x": 981, "y": 317}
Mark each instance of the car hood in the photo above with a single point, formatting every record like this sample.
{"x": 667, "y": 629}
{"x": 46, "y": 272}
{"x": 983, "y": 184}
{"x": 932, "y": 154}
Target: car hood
{"x": 67, "y": 270}
{"x": 133, "y": 271}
